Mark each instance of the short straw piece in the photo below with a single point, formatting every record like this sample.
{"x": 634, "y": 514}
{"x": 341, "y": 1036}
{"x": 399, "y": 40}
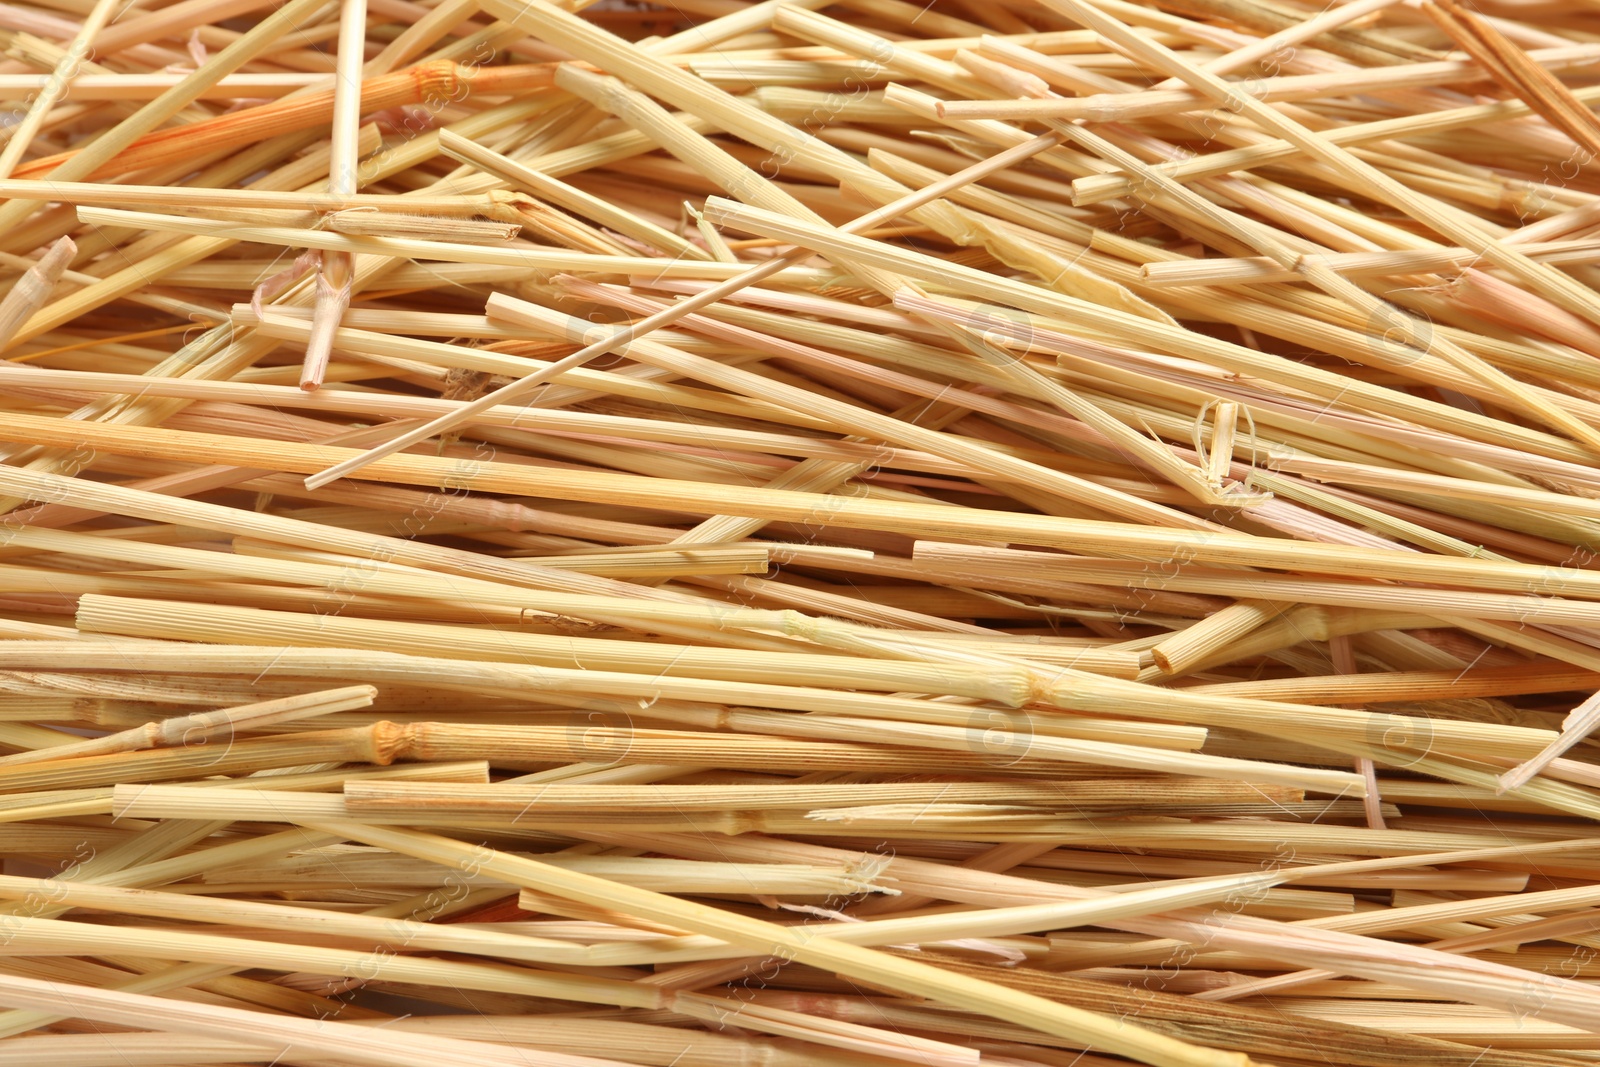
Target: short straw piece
{"x": 30, "y": 292}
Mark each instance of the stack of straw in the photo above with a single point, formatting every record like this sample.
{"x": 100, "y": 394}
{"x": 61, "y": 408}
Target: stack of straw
{"x": 800, "y": 533}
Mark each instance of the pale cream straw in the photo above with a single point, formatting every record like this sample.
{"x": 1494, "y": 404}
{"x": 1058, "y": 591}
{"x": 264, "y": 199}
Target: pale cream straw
{"x": 633, "y": 331}
{"x": 204, "y": 726}
{"x": 334, "y": 278}
{"x": 55, "y": 86}
{"x": 29, "y": 292}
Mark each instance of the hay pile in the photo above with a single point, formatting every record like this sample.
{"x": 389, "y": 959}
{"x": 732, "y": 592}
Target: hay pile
{"x": 800, "y": 533}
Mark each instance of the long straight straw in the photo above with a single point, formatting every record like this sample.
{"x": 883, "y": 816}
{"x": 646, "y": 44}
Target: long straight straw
{"x": 204, "y": 726}
{"x": 665, "y": 316}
